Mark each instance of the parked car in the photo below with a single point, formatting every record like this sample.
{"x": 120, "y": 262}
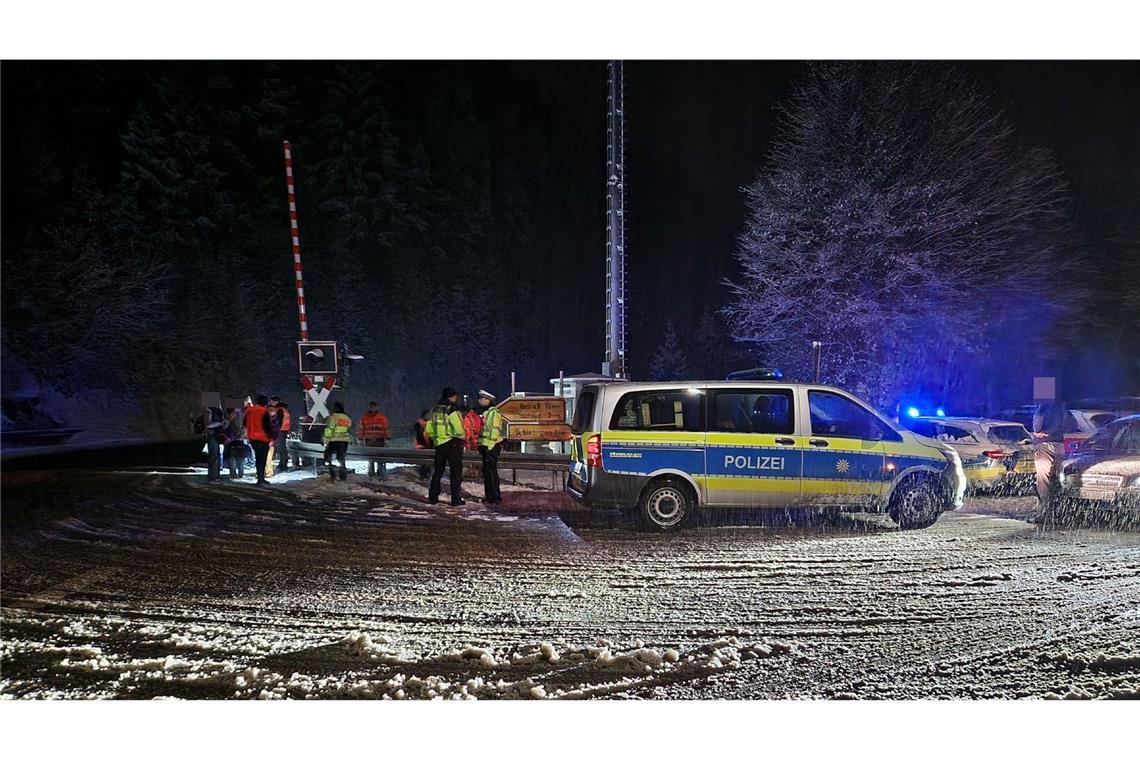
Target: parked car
{"x": 1105, "y": 473}
{"x": 997, "y": 455}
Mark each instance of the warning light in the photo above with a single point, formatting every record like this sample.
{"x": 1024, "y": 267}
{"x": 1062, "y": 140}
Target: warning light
{"x": 912, "y": 411}
{"x": 940, "y": 412}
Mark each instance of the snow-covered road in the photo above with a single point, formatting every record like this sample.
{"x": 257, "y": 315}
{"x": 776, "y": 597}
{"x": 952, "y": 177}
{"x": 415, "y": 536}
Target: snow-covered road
{"x": 146, "y": 586}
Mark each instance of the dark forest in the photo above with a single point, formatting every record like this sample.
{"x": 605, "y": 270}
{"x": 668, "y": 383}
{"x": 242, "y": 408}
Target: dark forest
{"x": 451, "y": 221}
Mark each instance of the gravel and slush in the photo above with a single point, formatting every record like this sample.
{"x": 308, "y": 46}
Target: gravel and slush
{"x": 140, "y": 585}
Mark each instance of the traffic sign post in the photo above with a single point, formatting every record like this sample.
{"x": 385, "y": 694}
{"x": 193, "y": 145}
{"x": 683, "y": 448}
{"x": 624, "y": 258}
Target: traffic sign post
{"x": 535, "y": 418}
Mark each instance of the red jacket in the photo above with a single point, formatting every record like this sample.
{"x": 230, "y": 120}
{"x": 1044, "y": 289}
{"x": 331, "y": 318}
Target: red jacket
{"x": 372, "y": 426}
{"x": 257, "y": 425}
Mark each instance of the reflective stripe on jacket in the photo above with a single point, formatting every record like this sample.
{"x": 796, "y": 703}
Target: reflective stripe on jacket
{"x": 337, "y": 427}
{"x": 492, "y": 427}
{"x": 444, "y": 424}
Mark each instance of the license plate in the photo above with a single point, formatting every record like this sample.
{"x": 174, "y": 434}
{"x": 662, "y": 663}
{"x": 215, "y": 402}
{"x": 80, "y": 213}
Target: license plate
{"x": 1095, "y": 494}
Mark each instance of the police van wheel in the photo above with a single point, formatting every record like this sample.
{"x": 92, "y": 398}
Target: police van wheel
{"x": 916, "y": 504}
{"x": 665, "y": 506}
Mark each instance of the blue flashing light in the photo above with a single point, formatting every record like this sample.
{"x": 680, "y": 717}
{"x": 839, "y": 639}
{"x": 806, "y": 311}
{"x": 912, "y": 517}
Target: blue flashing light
{"x": 940, "y": 412}
{"x": 912, "y": 411}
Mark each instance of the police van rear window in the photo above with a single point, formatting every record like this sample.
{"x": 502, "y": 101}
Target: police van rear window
{"x": 658, "y": 410}
{"x": 584, "y": 411}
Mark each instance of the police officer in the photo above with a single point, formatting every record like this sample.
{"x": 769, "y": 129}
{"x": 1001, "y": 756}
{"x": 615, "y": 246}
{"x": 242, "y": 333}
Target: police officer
{"x": 445, "y": 429}
{"x": 490, "y": 445}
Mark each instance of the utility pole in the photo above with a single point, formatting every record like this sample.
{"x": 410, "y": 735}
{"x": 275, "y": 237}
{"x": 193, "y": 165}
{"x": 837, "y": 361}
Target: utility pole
{"x": 614, "y": 364}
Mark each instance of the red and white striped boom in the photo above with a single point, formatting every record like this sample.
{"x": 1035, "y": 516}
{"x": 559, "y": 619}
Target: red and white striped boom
{"x": 296, "y": 242}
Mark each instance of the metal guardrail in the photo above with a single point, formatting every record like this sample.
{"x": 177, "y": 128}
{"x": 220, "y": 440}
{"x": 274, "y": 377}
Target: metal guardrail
{"x": 508, "y": 460}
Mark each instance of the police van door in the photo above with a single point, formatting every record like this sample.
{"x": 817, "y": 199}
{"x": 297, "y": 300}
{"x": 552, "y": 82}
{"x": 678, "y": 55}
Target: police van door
{"x": 752, "y": 453}
{"x": 844, "y": 455}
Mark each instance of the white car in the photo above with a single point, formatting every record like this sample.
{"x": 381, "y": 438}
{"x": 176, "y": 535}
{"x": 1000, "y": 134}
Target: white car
{"x": 1106, "y": 471}
{"x": 997, "y": 455}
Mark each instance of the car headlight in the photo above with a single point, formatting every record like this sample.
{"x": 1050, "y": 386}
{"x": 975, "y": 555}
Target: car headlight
{"x": 1133, "y": 482}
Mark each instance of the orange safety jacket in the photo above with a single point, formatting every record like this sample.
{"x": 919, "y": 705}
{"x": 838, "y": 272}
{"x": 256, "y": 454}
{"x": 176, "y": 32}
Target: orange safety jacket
{"x": 286, "y": 421}
{"x": 372, "y": 426}
{"x": 255, "y": 429}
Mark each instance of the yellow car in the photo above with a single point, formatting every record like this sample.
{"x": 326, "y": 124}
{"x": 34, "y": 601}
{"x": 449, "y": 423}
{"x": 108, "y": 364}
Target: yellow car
{"x": 667, "y": 449}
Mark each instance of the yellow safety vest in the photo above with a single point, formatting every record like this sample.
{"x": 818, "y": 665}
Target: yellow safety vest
{"x": 492, "y": 427}
{"x": 337, "y": 427}
{"x": 444, "y": 425}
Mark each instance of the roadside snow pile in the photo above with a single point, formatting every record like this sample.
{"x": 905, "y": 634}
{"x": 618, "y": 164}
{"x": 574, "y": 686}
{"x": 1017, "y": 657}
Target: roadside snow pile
{"x": 540, "y": 671}
{"x": 1105, "y": 663}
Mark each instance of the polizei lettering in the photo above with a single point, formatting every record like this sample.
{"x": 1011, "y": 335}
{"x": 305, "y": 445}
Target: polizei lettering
{"x": 753, "y": 462}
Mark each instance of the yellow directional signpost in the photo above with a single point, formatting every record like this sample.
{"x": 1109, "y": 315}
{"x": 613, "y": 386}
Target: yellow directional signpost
{"x": 535, "y": 418}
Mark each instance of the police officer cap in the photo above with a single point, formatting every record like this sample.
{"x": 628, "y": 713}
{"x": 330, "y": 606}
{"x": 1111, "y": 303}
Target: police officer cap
{"x": 486, "y": 394}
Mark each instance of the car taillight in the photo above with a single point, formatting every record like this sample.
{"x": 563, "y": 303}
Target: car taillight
{"x": 996, "y": 454}
{"x": 594, "y": 451}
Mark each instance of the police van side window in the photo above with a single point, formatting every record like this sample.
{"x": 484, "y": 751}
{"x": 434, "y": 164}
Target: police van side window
{"x": 837, "y": 417}
{"x": 658, "y": 410}
{"x": 753, "y": 411}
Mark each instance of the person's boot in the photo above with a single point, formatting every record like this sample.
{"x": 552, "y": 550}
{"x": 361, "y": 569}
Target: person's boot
{"x": 343, "y": 473}
{"x": 332, "y": 473}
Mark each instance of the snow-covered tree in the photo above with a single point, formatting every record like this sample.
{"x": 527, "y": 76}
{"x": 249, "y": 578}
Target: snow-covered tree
{"x": 900, "y": 220}
{"x": 669, "y": 361}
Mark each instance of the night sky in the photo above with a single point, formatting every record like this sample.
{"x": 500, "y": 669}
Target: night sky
{"x": 697, "y": 132}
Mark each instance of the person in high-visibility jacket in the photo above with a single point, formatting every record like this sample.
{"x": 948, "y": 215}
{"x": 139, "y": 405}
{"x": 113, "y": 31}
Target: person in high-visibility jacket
{"x": 259, "y": 431}
{"x": 445, "y": 430}
{"x": 372, "y": 430}
{"x": 284, "y": 425}
{"x": 338, "y": 432}
{"x": 490, "y": 445}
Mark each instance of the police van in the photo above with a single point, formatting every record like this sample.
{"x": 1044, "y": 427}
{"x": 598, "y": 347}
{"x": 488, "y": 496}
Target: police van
{"x": 667, "y": 449}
